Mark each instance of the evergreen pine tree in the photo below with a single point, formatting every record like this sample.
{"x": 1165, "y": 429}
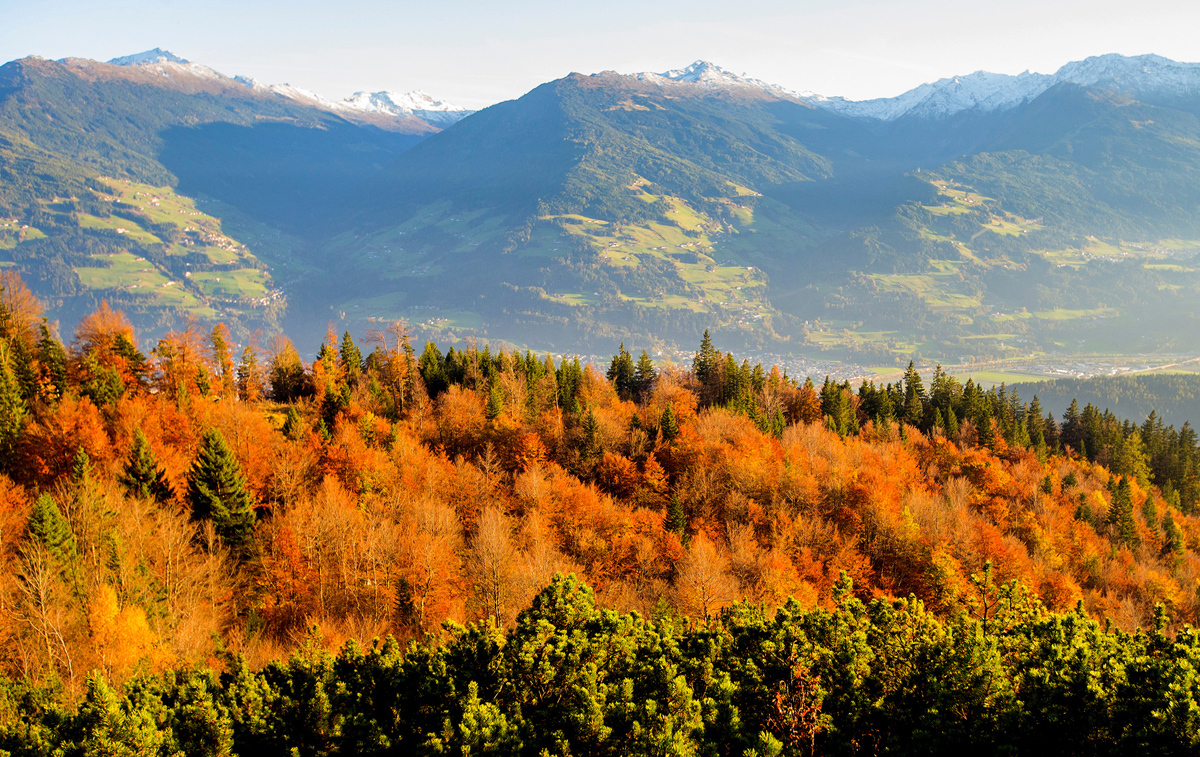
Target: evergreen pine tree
{"x": 1120, "y": 514}
{"x": 217, "y": 492}
{"x": 1173, "y": 545}
{"x": 705, "y": 360}
{"x": 668, "y": 426}
{"x": 291, "y": 423}
{"x": 135, "y": 361}
{"x": 644, "y": 376}
{"x": 25, "y": 368}
{"x": 914, "y": 396}
{"x": 1072, "y": 428}
{"x": 591, "y": 434}
{"x": 286, "y": 377}
{"x": 81, "y": 467}
{"x": 48, "y": 527}
{"x": 351, "y": 359}
{"x": 142, "y": 476}
{"x": 495, "y": 400}
{"x": 433, "y": 370}
{"x": 675, "y": 520}
{"x": 13, "y": 409}
{"x": 621, "y": 372}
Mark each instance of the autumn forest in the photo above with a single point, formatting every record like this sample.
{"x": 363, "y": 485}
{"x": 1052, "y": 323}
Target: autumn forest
{"x": 213, "y": 548}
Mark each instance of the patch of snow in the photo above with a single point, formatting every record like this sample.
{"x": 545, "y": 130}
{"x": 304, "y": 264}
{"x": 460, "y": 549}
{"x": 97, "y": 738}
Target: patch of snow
{"x": 157, "y": 55}
{"x": 987, "y": 92}
{"x": 409, "y": 104}
{"x": 712, "y": 76}
{"x": 1136, "y": 75}
{"x": 981, "y": 91}
{"x": 415, "y": 103}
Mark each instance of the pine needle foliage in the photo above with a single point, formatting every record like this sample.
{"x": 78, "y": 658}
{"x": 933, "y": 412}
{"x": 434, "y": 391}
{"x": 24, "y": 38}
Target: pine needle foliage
{"x": 217, "y": 492}
{"x": 142, "y": 477}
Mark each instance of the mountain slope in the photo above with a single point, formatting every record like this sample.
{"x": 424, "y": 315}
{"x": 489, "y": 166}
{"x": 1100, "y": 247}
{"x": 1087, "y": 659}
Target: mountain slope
{"x": 554, "y": 214}
{"x": 77, "y": 136}
{"x": 983, "y": 219}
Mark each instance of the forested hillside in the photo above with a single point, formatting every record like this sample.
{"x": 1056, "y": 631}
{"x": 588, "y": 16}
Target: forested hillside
{"x": 1173, "y": 398}
{"x": 195, "y": 505}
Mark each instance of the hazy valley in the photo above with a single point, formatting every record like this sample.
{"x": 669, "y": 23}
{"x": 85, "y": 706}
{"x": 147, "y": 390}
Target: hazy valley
{"x": 976, "y": 219}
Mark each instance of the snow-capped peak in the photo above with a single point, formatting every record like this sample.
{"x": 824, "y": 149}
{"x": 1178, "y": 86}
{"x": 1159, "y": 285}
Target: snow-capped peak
{"x": 981, "y": 90}
{"x": 167, "y": 64}
{"x": 414, "y": 104}
{"x": 1136, "y": 75}
{"x": 987, "y": 92}
{"x": 712, "y": 76}
{"x": 157, "y": 55}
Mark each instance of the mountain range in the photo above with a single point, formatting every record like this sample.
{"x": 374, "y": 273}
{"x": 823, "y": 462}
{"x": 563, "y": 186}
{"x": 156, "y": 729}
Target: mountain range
{"x": 975, "y": 217}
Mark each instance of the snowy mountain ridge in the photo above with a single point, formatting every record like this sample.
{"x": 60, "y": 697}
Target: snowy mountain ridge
{"x": 981, "y": 91}
{"x": 416, "y": 104}
{"x": 987, "y": 92}
{"x": 157, "y": 55}
{"x": 712, "y": 76}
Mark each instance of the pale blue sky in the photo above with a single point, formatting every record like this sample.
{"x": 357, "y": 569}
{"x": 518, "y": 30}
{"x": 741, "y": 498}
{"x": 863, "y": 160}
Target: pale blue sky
{"x": 477, "y": 52}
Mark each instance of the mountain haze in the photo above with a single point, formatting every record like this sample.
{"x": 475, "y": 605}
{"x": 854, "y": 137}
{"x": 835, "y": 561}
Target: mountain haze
{"x": 977, "y": 216}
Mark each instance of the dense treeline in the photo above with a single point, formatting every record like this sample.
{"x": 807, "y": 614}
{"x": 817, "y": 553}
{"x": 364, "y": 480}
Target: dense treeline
{"x": 204, "y": 505}
{"x": 886, "y": 676}
{"x": 1174, "y": 397}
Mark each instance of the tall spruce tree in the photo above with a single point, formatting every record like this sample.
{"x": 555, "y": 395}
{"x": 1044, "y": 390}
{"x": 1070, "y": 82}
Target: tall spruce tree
{"x": 351, "y": 359}
{"x": 914, "y": 396}
{"x": 705, "y": 360}
{"x": 142, "y": 476}
{"x": 495, "y": 400}
{"x": 217, "y": 492}
{"x": 621, "y": 372}
{"x": 644, "y": 376}
{"x": 1120, "y": 514}
{"x": 13, "y": 409}
{"x": 675, "y": 520}
{"x": 48, "y": 527}
{"x": 668, "y": 426}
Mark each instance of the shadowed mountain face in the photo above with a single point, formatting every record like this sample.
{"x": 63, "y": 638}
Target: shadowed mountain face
{"x": 608, "y": 207}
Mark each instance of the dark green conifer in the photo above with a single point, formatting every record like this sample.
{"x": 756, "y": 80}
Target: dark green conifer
{"x": 495, "y": 401}
{"x": 142, "y": 476}
{"x": 13, "y": 409}
{"x": 217, "y": 492}
{"x": 351, "y": 359}
{"x": 675, "y": 520}
{"x": 621, "y": 372}
{"x": 914, "y": 396}
{"x": 1173, "y": 545}
{"x": 49, "y": 528}
{"x": 433, "y": 370}
{"x": 668, "y": 426}
{"x": 292, "y": 423}
{"x": 644, "y": 376}
{"x": 1120, "y": 514}
{"x": 591, "y": 434}
{"x": 705, "y": 360}
{"x": 134, "y": 359}
{"x": 81, "y": 467}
